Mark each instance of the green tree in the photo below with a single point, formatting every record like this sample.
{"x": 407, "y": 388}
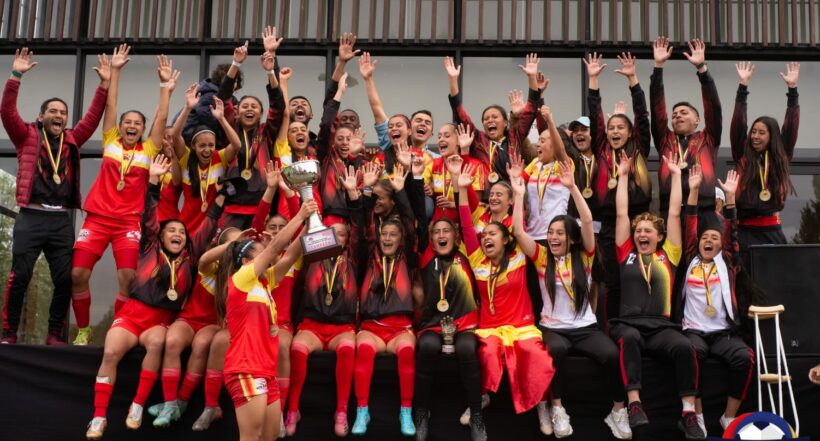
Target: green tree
{"x": 809, "y": 231}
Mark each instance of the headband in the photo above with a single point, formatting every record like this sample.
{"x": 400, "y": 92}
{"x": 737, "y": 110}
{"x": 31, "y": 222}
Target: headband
{"x": 242, "y": 249}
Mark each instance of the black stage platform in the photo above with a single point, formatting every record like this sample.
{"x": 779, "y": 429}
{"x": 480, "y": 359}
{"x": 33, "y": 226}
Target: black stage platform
{"x": 47, "y": 394}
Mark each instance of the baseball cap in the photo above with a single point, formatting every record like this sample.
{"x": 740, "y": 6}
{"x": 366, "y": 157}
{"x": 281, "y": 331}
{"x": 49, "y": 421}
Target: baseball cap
{"x": 581, "y": 121}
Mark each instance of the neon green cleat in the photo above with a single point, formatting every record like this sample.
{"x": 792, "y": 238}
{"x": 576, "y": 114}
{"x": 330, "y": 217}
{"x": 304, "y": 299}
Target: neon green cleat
{"x": 83, "y": 336}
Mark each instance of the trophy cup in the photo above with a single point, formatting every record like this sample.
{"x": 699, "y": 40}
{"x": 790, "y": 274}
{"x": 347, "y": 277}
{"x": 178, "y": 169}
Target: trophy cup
{"x": 319, "y": 242}
{"x": 448, "y": 332}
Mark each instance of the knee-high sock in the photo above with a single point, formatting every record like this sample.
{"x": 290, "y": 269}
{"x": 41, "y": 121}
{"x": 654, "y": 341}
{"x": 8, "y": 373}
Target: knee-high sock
{"x": 345, "y": 358}
{"x": 284, "y": 387}
{"x": 298, "y": 369}
{"x": 170, "y": 383}
{"x": 102, "y": 395}
{"x": 189, "y": 384}
{"x": 147, "y": 380}
{"x": 407, "y": 373}
{"x": 213, "y": 385}
{"x": 81, "y": 302}
{"x": 119, "y": 301}
{"x": 363, "y": 372}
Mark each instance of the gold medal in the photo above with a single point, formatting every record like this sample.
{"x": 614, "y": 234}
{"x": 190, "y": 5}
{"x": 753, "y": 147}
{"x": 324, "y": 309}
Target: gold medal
{"x": 765, "y": 195}
{"x": 172, "y": 294}
{"x": 710, "y": 311}
{"x": 56, "y": 178}
{"x": 587, "y": 193}
{"x": 612, "y": 183}
{"x": 204, "y": 207}
{"x": 443, "y": 305}
{"x": 492, "y": 309}
{"x": 493, "y": 178}
{"x": 246, "y": 174}
{"x": 120, "y": 185}
{"x": 683, "y": 164}
{"x": 328, "y": 299}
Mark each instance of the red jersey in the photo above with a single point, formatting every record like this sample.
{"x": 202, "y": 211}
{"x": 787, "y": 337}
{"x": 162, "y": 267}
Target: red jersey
{"x": 283, "y": 292}
{"x": 129, "y": 164}
{"x": 168, "y": 199}
{"x": 250, "y": 315}
{"x": 200, "y": 305}
{"x": 192, "y": 213}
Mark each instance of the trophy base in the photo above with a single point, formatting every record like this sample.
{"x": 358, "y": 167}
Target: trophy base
{"x": 320, "y": 245}
{"x": 448, "y": 349}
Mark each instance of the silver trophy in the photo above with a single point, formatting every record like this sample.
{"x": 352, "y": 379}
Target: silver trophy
{"x": 448, "y": 333}
{"x": 320, "y": 241}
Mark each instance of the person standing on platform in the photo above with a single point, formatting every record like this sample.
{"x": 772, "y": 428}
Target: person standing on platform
{"x": 48, "y": 186}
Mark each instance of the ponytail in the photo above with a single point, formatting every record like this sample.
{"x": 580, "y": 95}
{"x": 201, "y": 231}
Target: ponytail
{"x": 230, "y": 262}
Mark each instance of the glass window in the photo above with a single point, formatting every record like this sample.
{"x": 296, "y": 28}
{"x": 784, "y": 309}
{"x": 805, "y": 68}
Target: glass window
{"x": 801, "y": 216}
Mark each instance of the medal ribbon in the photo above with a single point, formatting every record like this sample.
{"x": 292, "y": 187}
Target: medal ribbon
{"x": 387, "y": 276}
{"x": 567, "y": 263}
{"x": 542, "y": 189}
{"x": 588, "y": 168}
{"x": 203, "y": 193}
{"x": 682, "y": 155}
{"x": 124, "y": 171}
{"x": 247, "y": 150}
{"x": 173, "y": 265}
{"x": 646, "y": 271}
{"x": 614, "y": 165}
{"x": 332, "y": 280}
{"x": 764, "y": 172}
{"x": 442, "y": 283}
{"x": 54, "y": 163}
{"x": 491, "y": 281}
{"x": 705, "y": 276}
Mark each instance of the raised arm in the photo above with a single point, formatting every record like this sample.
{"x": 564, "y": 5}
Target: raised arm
{"x": 150, "y": 222}
{"x": 584, "y": 213}
{"x": 191, "y": 100}
{"x": 168, "y": 79}
{"x": 622, "y": 222}
{"x": 218, "y": 112}
{"x": 792, "y": 120}
{"x": 464, "y": 178}
{"x": 453, "y": 72}
{"x": 367, "y": 68}
{"x": 282, "y": 135}
{"x": 12, "y": 122}
{"x": 731, "y": 243}
{"x": 524, "y": 240}
{"x": 346, "y": 53}
{"x": 673, "y": 227}
{"x": 712, "y": 109}
{"x": 597, "y": 129}
{"x": 737, "y": 131}
{"x": 324, "y": 139}
{"x": 555, "y": 138}
{"x": 691, "y": 245}
{"x": 292, "y": 254}
{"x": 264, "y": 259}
{"x": 86, "y": 126}
{"x": 118, "y": 61}
{"x": 661, "y": 51}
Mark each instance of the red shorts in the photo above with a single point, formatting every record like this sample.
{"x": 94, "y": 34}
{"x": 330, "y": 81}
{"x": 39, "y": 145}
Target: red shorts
{"x": 285, "y": 326}
{"x": 98, "y": 231}
{"x": 325, "y": 332}
{"x": 137, "y": 317}
{"x": 243, "y": 387}
{"x": 195, "y": 324}
{"x": 388, "y": 328}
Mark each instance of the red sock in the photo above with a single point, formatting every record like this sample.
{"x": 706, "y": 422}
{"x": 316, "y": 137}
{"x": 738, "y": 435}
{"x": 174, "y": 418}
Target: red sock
{"x": 189, "y": 384}
{"x": 298, "y": 370}
{"x": 119, "y": 301}
{"x": 407, "y": 374}
{"x": 147, "y": 380}
{"x": 284, "y": 386}
{"x": 345, "y": 358}
{"x": 170, "y": 383}
{"x": 363, "y": 372}
{"x": 81, "y": 302}
{"x": 102, "y": 394}
{"x": 213, "y": 385}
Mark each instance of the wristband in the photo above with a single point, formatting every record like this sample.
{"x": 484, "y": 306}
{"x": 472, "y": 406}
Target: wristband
{"x": 165, "y": 85}
{"x": 699, "y": 66}
{"x": 234, "y": 63}
{"x": 17, "y": 74}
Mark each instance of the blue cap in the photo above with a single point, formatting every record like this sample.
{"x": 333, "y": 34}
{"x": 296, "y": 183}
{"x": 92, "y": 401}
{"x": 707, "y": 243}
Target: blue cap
{"x": 582, "y": 121}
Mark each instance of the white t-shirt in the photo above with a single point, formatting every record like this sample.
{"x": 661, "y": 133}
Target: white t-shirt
{"x": 561, "y": 315}
{"x": 695, "y": 305}
{"x": 546, "y": 195}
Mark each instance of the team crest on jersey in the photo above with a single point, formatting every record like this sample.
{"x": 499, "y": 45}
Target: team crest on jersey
{"x": 631, "y": 259}
{"x": 482, "y": 272}
{"x": 260, "y": 386}
{"x": 83, "y": 236}
{"x": 133, "y": 236}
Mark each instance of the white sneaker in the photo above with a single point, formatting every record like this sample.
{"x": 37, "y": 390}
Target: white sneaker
{"x": 96, "y": 428}
{"x": 465, "y": 417}
{"x": 282, "y": 433}
{"x": 134, "y": 419}
{"x": 701, "y": 423}
{"x": 618, "y": 422}
{"x": 560, "y": 422}
{"x": 725, "y": 421}
{"x": 544, "y": 420}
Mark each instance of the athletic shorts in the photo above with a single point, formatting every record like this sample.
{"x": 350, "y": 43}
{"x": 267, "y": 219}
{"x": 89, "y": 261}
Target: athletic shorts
{"x": 325, "y": 332}
{"x": 243, "y": 387}
{"x": 285, "y": 325}
{"x": 98, "y": 231}
{"x": 195, "y": 324}
{"x": 386, "y": 331}
{"x": 137, "y": 317}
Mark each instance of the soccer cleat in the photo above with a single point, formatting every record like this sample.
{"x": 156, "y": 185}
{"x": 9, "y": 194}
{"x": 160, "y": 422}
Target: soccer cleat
{"x": 637, "y": 417}
{"x": 725, "y": 421}
{"x": 282, "y": 433}
{"x": 55, "y": 339}
{"x": 9, "y": 338}
{"x": 340, "y": 426}
{"x": 155, "y": 409}
{"x": 701, "y": 423}
{"x": 291, "y": 418}
{"x": 209, "y": 415}
{"x": 618, "y": 422}
{"x": 96, "y": 428}
{"x": 170, "y": 412}
{"x": 406, "y": 421}
{"x": 362, "y": 420}
{"x": 544, "y": 420}
{"x": 478, "y": 431}
{"x": 83, "y": 336}
{"x": 134, "y": 419}
{"x": 688, "y": 424}
{"x": 560, "y": 422}
{"x": 465, "y": 417}
{"x": 422, "y": 421}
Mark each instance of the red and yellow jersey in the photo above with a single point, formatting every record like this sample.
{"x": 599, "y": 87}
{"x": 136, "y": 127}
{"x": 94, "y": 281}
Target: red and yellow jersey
{"x": 482, "y": 218}
{"x": 504, "y": 296}
{"x": 168, "y": 199}
{"x": 283, "y": 292}
{"x": 129, "y": 164}
{"x": 250, "y": 315}
{"x": 200, "y": 305}
{"x": 192, "y": 213}
{"x": 647, "y": 281}
{"x": 437, "y": 176}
